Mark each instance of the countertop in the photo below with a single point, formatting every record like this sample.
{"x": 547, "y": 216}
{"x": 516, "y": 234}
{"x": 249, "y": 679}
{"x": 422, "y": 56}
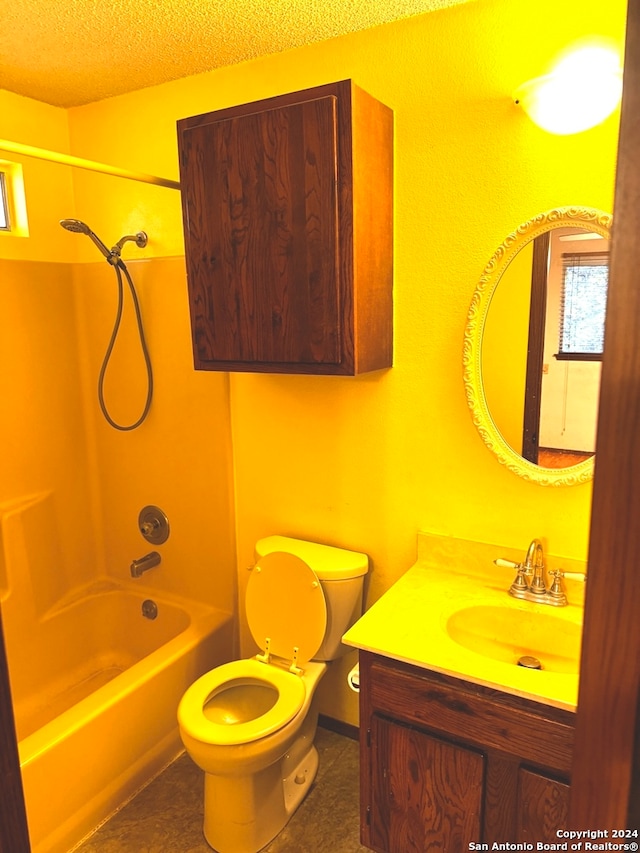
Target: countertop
{"x": 411, "y": 621}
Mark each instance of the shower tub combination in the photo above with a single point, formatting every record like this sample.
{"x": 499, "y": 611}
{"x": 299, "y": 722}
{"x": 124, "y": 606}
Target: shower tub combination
{"x": 97, "y": 671}
{"x": 95, "y": 693}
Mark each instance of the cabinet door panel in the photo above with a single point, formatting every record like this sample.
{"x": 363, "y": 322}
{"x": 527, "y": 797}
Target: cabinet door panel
{"x": 543, "y": 806}
{"x": 261, "y": 211}
{"x": 426, "y": 793}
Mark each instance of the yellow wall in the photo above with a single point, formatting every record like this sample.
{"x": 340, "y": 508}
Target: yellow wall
{"x": 367, "y": 462}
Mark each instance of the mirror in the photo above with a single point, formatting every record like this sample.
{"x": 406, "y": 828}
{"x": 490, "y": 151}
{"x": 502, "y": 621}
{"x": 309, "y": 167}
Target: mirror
{"x": 533, "y": 344}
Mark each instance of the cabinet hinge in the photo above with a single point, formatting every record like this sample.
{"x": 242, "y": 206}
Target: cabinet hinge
{"x": 368, "y": 737}
{"x": 368, "y": 816}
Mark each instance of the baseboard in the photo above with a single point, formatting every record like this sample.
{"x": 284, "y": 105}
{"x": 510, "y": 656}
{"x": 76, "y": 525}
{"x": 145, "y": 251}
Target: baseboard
{"x": 339, "y": 727}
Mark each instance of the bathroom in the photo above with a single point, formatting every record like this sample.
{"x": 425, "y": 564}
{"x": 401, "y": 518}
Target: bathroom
{"x": 363, "y": 463}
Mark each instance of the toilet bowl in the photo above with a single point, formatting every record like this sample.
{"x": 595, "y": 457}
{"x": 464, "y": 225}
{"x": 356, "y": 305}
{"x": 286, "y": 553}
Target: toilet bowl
{"x": 250, "y": 724}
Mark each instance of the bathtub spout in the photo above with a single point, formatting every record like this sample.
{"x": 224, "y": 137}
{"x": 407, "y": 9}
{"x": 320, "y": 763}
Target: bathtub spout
{"x": 144, "y": 564}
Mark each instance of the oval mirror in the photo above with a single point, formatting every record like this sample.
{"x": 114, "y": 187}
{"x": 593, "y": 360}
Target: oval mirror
{"x": 533, "y": 345}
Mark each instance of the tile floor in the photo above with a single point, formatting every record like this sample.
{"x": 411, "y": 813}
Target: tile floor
{"x": 166, "y": 816}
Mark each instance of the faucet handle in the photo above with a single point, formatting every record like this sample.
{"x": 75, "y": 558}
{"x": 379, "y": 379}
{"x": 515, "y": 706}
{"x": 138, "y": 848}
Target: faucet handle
{"x": 519, "y": 588}
{"x": 557, "y": 589}
{"x": 558, "y": 574}
{"x": 521, "y": 568}
{"x": 506, "y": 564}
{"x": 575, "y": 576}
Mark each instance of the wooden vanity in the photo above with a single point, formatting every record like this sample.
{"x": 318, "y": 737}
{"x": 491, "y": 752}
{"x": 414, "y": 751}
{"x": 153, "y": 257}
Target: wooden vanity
{"x": 460, "y": 747}
{"x": 447, "y": 764}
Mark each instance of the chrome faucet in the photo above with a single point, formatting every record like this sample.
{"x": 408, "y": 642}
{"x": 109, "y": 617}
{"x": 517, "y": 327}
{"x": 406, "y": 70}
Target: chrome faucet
{"x": 138, "y": 567}
{"x": 534, "y": 565}
{"x": 530, "y": 584}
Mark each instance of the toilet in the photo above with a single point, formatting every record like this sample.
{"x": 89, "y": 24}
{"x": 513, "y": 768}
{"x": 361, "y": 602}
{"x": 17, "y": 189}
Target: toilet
{"x": 250, "y": 724}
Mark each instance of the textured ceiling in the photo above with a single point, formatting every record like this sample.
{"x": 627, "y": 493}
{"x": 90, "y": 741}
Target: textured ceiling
{"x": 71, "y": 52}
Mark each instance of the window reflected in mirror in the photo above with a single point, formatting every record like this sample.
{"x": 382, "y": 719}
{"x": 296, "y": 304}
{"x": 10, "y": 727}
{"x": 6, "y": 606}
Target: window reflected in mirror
{"x": 583, "y": 301}
{"x": 551, "y": 298}
{"x": 4, "y": 204}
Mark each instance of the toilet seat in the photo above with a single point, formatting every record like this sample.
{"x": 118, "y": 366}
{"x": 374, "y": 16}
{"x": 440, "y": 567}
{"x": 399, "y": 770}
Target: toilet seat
{"x": 285, "y": 606}
{"x": 291, "y": 694}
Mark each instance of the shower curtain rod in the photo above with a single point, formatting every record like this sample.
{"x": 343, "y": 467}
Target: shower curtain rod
{"x": 80, "y": 163}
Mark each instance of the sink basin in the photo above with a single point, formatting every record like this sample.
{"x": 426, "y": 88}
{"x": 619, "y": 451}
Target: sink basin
{"x": 507, "y": 634}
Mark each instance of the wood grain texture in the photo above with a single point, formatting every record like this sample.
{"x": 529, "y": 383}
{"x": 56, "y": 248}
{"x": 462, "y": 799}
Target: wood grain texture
{"x": 270, "y": 207}
{"x": 501, "y": 800}
{"x": 427, "y": 793}
{"x": 411, "y": 782}
{"x": 373, "y": 231}
{"x": 262, "y": 255}
{"x": 535, "y": 732}
{"x": 543, "y": 805}
{"x": 606, "y": 770}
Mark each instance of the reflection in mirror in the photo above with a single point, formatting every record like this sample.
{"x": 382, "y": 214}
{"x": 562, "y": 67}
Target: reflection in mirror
{"x": 542, "y": 390}
{"x": 533, "y": 345}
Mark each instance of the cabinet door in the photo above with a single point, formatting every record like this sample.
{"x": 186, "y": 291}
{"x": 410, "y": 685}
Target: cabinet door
{"x": 261, "y": 209}
{"x": 543, "y": 806}
{"x": 426, "y": 793}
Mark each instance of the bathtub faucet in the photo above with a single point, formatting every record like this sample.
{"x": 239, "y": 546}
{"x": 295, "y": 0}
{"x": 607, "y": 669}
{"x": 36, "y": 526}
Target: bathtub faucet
{"x": 144, "y": 564}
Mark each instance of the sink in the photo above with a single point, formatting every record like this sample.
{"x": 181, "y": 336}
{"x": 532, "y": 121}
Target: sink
{"x": 507, "y": 634}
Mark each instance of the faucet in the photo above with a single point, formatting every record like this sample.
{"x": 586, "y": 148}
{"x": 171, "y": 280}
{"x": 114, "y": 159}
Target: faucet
{"x": 144, "y": 564}
{"x": 536, "y": 588}
{"x": 534, "y": 565}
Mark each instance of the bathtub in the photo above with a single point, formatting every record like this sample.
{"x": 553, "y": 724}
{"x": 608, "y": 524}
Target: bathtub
{"x": 97, "y": 719}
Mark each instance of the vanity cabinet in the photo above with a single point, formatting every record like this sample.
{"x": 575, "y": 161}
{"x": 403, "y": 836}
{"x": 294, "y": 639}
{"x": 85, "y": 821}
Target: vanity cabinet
{"x": 446, "y": 764}
{"x": 288, "y": 210}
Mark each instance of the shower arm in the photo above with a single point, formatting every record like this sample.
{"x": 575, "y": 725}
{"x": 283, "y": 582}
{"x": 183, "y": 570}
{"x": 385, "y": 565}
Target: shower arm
{"x": 140, "y": 239}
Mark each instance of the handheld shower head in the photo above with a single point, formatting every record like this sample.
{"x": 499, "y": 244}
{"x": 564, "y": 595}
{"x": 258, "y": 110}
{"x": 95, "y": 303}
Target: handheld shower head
{"x": 79, "y": 227}
{"x": 75, "y": 225}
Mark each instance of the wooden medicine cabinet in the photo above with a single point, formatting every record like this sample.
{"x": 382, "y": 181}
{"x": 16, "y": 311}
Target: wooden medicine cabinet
{"x": 288, "y": 210}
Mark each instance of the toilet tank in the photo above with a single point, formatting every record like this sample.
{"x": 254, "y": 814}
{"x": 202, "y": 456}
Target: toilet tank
{"x": 341, "y": 575}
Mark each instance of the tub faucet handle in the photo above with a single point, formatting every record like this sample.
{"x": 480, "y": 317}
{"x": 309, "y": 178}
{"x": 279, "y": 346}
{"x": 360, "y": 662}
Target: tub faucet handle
{"x": 153, "y": 524}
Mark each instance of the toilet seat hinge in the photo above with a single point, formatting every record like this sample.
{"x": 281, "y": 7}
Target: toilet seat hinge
{"x": 266, "y": 657}
{"x": 294, "y": 668}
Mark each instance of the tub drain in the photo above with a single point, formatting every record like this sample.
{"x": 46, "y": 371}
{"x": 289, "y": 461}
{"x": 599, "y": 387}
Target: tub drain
{"x": 529, "y": 662}
{"x": 149, "y": 609}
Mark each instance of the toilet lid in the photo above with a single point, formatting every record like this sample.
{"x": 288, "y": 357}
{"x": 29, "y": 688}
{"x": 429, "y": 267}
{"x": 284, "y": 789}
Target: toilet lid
{"x": 285, "y": 603}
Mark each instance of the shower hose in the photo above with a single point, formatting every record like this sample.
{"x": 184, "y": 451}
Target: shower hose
{"x": 120, "y": 268}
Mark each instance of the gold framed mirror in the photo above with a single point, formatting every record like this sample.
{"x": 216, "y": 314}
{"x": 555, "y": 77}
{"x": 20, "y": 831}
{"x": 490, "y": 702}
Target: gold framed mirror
{"x": 531, "y": 362}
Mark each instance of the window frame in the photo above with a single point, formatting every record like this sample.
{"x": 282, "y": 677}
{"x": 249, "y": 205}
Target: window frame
{"x": 5, "y": 207}
{"x": 584, "y": 259}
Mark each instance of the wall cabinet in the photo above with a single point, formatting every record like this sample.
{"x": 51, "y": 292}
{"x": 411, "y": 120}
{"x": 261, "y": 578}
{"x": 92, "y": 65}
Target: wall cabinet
{"x": 288, "y": 211}
{"x": 446, "y": 764}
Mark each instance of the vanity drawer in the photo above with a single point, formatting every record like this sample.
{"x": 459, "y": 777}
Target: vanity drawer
{"x": 477, "y": 716}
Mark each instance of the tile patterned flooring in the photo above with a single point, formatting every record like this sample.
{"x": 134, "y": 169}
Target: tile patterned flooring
{"x": 166, "y": 816}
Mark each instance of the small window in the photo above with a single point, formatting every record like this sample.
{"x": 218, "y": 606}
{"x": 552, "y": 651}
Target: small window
{"x": 5, "y": 224}
{"x": 583, "y": 304}
{"x": 13, "y": 202}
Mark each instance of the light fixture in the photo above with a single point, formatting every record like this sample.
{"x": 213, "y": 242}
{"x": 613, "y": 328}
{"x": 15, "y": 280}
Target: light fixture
{"x": 581, "y": 91}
